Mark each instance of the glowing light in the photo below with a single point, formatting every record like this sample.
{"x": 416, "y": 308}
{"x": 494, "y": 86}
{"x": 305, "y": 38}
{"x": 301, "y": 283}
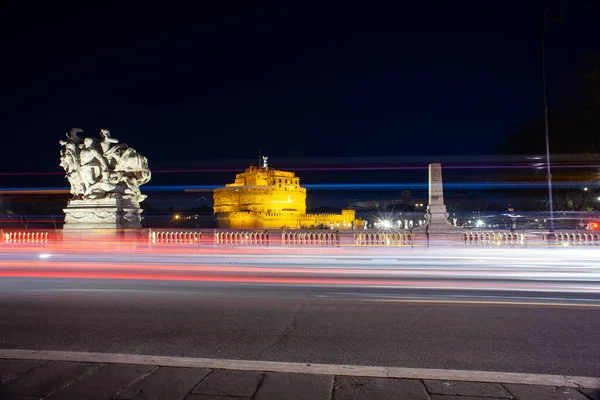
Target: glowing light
{"x": 479, "y": 223}
{"x": 386, "y": 224}
{"x": 44, "y": 255}
{"x": 177, "y": 216}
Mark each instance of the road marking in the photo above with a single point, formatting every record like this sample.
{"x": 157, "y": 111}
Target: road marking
{"x": 306, "y": 368}
{"x": 486, "y": 302}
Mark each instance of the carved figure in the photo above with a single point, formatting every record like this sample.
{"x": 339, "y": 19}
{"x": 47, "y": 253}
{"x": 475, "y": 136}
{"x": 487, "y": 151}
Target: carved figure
{"x": 107, "y": 140}
{"x": 69, "y": 160}
{"x": 102, "y": 168}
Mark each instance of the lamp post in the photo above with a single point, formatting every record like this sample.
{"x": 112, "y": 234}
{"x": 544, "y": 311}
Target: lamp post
{"x": 196, "y": 215}
{"x": 548, "y": 167}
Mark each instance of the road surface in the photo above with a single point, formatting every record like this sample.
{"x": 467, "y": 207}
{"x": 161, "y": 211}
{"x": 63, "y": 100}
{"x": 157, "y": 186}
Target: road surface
{"x": 487, "y": 311}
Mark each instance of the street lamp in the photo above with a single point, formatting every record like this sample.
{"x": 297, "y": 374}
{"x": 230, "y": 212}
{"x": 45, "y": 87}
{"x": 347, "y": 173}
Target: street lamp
{"x": 386, "y": 224}
{"x": 548, "y": 168}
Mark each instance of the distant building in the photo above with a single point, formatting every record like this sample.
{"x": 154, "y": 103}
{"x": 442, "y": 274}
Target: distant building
{"x": 267, "y": 198}
{"x": 405, "y": 202}
{"x": 406, "y": 196}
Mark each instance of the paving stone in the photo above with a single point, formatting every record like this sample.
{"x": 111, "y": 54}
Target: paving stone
{"x": 282, "y": 386}
{"x": 447, "y": 397}
{"x": 102, "y": 384}
{"x": 593, "y": 394}
{"x": 360, "y": 388}
{"x": 169, "y": 383}
{"x": 230, "y": 383}
{"x": 210, "y": 397}
{"x": 534, "y": 392}
{"x": 48, "y": 378}
{"x": 11, "y": 368}
{"x": 474, "y": 389}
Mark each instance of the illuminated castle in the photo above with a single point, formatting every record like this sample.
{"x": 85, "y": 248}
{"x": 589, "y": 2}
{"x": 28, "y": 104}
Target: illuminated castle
{"x": 266, "y": 198}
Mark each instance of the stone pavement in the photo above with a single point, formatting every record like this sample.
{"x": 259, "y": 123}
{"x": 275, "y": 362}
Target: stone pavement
{"x": 56, "y": 380}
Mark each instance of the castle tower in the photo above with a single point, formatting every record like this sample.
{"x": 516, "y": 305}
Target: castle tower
{"x": 260, "y": 197}
{"x": 265, "y": 198}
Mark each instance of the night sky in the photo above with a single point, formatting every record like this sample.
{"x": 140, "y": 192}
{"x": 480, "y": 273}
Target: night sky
{"x": 198, "y": 87}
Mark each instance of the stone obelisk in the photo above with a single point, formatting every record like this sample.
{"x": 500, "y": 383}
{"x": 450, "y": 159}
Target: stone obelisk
{"x": 437, "y": 216}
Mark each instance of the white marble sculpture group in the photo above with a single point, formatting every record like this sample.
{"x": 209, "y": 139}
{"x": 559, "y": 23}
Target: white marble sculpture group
{"x": 100, "y": 168}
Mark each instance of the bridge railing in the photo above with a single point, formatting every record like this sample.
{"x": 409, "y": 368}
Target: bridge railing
{"x": 318, "y": 238}
{"x": 322, "y": 238}
{"x": 242, "y": 238}
{"x": 494, "y": 238}
{"x": 168, "y": 236}
{"x": 381, "y": 238}
{"x": 574, "y": 238}
{"x": 25, "y": 237}
{"x": 531, "y": 238}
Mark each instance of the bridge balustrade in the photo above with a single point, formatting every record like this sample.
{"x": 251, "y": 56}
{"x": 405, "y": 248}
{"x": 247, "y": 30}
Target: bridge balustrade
{"x": 480, "y": 238}
{"x": 575, "y": 238}
{"x": 383, "y": 239}
{"x": 242, "y": 238}
{"x": 175, "y": 237}
{"x": 25, "y": 237}
{"x": 327, "y": 238}
{"x": 318, "y": 239}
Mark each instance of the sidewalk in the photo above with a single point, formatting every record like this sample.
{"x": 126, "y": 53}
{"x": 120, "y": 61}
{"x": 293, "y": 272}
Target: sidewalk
{"x": 25, "y": 378}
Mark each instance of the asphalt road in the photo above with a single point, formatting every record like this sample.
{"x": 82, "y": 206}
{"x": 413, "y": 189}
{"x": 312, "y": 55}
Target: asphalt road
{"x": 553, "y": 332}
{"x": 490, "y": 309}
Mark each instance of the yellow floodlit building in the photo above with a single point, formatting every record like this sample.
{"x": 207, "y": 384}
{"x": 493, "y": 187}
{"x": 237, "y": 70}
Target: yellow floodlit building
{"x": 264, "y": 198}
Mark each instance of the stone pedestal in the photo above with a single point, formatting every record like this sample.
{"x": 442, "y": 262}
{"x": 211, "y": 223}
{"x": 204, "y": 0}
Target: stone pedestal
{"x": 437, "y": 219}
{"x": 109, "y": 213}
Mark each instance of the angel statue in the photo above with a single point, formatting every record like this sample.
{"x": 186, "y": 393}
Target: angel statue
{"x": 69, "y": 160}
{"x": 103, "y": 168}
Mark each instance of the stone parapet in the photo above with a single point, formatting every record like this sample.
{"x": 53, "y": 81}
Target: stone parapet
{"x": 140, "y": 239}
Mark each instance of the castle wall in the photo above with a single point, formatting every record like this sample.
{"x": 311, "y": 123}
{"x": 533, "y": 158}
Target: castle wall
{"x": 345, "y": 220}
{"x": 259, "y": 199}
{"x": 285, "y": 220}
{"x": 251, "y": 220}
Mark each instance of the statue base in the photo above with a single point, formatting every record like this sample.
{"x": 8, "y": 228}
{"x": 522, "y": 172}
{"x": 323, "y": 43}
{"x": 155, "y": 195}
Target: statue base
{"x": 437, "y": 219}
{"x": 103, "y": 214}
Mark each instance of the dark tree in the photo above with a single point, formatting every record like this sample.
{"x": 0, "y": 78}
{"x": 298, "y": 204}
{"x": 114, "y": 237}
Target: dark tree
{"x": 573, "y": 125}
{"x": 574, "y": 132}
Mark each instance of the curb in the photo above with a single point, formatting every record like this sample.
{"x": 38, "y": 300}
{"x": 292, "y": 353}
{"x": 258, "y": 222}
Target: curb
{"x": 319, "y": 369}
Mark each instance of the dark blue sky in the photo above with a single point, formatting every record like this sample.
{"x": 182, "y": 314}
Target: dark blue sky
{"x": 314, "y": 79}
